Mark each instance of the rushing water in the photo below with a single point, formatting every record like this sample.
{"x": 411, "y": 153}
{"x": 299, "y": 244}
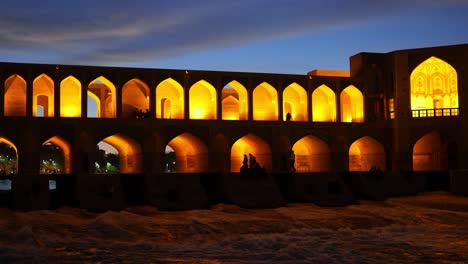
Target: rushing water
{"x": 429, "y": 228}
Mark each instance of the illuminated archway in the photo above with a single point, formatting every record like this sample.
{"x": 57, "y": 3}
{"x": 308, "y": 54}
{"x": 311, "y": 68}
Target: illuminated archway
{"x": 55, "y": 157}
{"x": 430, "y": 153}
{"x": 312, "y": 155}
{"x": 250, "y": 144}
{"x": 323, "y": 104}
{"x": 265, "y": 102}
{"x": 169, "y": 100}
{"x": 43, "y": 96}
{"x": 352, "y": 105}
{"x": 366, "y": 153}
{"x": 434, "y": 86}
{"x": 15, "y": 96}
{"x": 234, "y": 102}
{"x": 102, "y": 91}
{"x": 191, "y": 154}
{"x": 70, "y": 97}
{"x": 129, "y": 153}
{"x": 135, "y": 97}
{"x": 295, "y": 102}
{"x": 202, "y": 101}
{"x": 8, "y": 157}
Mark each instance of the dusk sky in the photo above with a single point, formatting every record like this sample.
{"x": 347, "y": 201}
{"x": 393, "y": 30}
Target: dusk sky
{"x": 243, "y": 35}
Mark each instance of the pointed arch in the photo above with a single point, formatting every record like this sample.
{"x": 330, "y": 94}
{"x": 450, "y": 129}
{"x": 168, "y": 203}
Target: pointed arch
{"x": 43, "y": 95}
{"x": 169, "y": 100}
{"x": 15, "y": 96}
{"x": 430, "y": 153}
{"x": 323, "y": 104}
{"x": 295, "y": 102}
{"x": 234, "y": 101}
{"x": 70, "y": 97}
{"x": 253, "y": 144}
{"x": 8, "y": 163}
{"x": 103, "y": 92}
{"x": 202, "y": 100}
{"x": 135, "y": 97}
{"x": 191, "y": 153}
{"x": 312, "y": 155}
{"x": 365, "y": 153}
{"x": 352, "y": 105}
{"x": 434, "y": 85}
{"x": 65, "y": 149}
{"x": 265, "y": 102}
{"x": 130, "y": 152}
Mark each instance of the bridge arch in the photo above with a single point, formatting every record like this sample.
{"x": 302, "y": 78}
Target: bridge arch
{"x": 352, "y": 105}
{"x": 103, "y": 92}
{"x": 8, "y": 157}
{"x": 70, "y": 97}
{"x": 135, "y": 97}
{"x": 169, "y": 100}
{"x": 15, "y": 96}
{"x": 43, "y": 96}
{"x": 191, "y": 153}
{"x": 430, "y": 153}
{"x": 295, "y": 102}
{"x": 130, "y": 152}
{"x": 365, "y": 153}
{"x": 253, "y": 144}
{"x": 50, "y": 162}
{"x": 202, "y": 100}
{"x": 323, "y": 104}
{"x": 234, "y": 101}
{"x": 312, "y": 155}
{"x": 265, "y": 102}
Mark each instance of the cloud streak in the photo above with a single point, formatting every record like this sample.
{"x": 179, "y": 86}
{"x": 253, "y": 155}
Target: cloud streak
{"x": 121, "y": 32}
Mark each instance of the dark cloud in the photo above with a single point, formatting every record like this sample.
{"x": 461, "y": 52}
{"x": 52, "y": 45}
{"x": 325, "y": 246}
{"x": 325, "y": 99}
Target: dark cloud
{"x": 119, "y": 32}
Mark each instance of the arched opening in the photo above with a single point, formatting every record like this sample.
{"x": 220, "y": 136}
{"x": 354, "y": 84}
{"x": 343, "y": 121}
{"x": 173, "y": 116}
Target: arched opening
{"x": 15, "y": 96}
{"x": 70, "y": 97}
{"x": 191, "y": 154}
{"x": 202, "y": 101}
{"x": 169, "y": 100}
{"x": 135, "y": 98}
{"x": 312, "y": 155}
{"x": 430, "y": 153}
{"x": 434, "y": 89}
{"x": 8, "y": 157}
{"x": 43, "y": 96}
{"x": 352, "y": 105}
{"x": 265, "y": 102}
{"x": 234, "y": 102}
{"x": 119, "y": 154}
{"x": 55, "y": 156}
{"x": 323, "y": 104}
{"x": 250, "y": 144}
{"x": 366, "y": 153}
{"x": 102, "y": 92}
{"x": 295, "y": 102}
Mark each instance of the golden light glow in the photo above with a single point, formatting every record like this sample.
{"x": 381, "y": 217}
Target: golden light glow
{"x": 135, "y": 94}
{"x": 234, "y": 102}
{"x": 312, "y": 155}
{"x": 430, "y": 153}
{"x": 352, "y": 105}
{"x": 202, "y": 101}
{"x": 323, "y": 104}
{"x": 334, "y": 73}
{"x": 43, "y": 95}
{"x": 434, "y": 85}
{"x": 70, "y": 97}
{"x": 130, "y": 154}
{"x": 15, "y": 96}
{"x": 265, "y": 102}
{"x": 191, "y": 153}
{"x": 295, "y": 102}
{"x": 250, "y": 144}
{"x": 169, "y": 100}
{"x": 66, "y": 151}
{"x": 365, "y": 153}
{"x": 9, "y": 143}
{"x": 102, "y": 91}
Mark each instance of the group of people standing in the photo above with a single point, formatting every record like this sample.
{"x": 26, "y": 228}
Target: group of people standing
{"x": 140, "y": 114}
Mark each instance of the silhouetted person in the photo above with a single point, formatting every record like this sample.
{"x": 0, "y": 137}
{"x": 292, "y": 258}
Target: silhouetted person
{"x": 252, "y": 161}
{"x": 245, "y": 162}
{"x": 288, "y": 116}
{"x": 147, "y": 113}
{"x": 292, "y": 160}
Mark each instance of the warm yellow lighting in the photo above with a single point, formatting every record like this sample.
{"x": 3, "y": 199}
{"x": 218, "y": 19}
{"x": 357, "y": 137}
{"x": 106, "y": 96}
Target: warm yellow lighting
{"x": 102, "y": 91}
{"x": 352, "y": 105}
{"x": 365, "y": 153}
{"x": 15, "y": 96}
{"x": 264, "y": 102}
{"x": 43, "y": 95}
{"x": 240, "y": 109}
{"x": 430, "y": 154}
{"x": 169, "y": 100}
{"x": 334, "y": 73}
{"x": 312, "y": 155}
{"x": 191, "y": 153}
{"x": 70, "y": 97}
{"x": 134, "y": 97}
{"x": 250, "y": 144}
{"x": 66, "y": 151}
{"x": 295, "y": 102}
{"x": 202, "y": 101}
{"x": 9, "y": 143}
{"x": 130, "y": 154}
{"x": 323, "y": 104}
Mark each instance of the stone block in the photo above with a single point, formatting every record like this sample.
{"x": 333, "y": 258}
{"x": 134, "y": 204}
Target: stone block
{"x": 31, "y": 192}
{"x": 459, "y": 182}
{"x": 100, "y": 192}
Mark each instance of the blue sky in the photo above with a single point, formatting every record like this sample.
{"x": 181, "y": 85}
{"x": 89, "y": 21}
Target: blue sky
{"x": 244, "y": 35}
